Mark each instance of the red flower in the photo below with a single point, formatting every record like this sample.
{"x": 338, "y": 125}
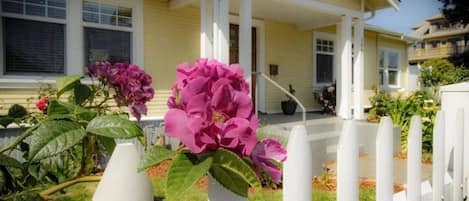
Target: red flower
{"x": 42, "y": 104}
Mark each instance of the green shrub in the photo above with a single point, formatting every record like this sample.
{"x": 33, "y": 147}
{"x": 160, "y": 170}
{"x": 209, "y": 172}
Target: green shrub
{"x": 401, "y": 109}
{"x": 439, "y": 72}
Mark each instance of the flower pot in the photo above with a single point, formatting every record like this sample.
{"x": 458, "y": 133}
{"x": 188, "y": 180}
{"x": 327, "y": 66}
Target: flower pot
{"x": 289, "y": 107}
{"x": 216, "y": 192}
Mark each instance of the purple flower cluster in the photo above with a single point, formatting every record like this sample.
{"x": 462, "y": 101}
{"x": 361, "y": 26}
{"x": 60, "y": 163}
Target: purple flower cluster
{"x": 132, "y": 85}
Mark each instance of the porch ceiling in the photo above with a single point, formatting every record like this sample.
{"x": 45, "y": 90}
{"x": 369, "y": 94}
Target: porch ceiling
{"x": 283, "y": 11}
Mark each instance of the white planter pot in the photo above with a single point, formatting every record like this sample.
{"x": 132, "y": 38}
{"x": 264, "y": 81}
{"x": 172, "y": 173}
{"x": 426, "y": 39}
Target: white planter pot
{"x": 216, "y": 192}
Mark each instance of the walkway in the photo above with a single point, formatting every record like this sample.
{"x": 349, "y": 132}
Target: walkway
{"x": 319, "y": 125}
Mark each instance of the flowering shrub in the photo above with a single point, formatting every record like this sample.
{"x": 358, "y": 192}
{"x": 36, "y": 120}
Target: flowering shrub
{"x": 131, "y": 84}
{"x": 211, "y": 113}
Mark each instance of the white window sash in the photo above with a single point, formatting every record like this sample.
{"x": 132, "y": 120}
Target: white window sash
{"x": 386, "y": 69}
{"x": 327, "y": 37}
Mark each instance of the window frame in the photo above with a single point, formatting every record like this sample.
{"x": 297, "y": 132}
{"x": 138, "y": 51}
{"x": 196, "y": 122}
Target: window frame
{"x": 329, "y": 37}
{"x": 74, "y": 41}
{"x": 386, "y": 69}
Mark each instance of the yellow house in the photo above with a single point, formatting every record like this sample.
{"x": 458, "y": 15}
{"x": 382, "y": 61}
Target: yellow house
{"x": 307, "y": 43}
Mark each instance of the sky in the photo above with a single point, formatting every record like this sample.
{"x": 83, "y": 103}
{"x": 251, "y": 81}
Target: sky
{"x": 411, "y": 13}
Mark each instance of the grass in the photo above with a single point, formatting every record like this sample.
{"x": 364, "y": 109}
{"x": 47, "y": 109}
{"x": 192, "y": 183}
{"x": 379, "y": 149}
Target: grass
{"x": 84, "y": 192}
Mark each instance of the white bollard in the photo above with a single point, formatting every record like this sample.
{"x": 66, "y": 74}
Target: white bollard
{"x": 384, "y": 160}
{"x": 438, "y": 174}
{"x": 414, "y": 159}
{"x": 297, "y": 174}
{"x": 458, "y": 161}
{"x": 121, "y": 181}
{"x": 347, "y": 163}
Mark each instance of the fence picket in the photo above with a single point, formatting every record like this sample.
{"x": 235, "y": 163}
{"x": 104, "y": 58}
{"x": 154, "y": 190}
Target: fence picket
{"x": 297, "y": 174}
{"x": 414, "y": 159}
{"x": 347, "y": 163}
{"x": 438, "y": 157}
{"x": 458, "y": 161}
{"x": 384, "y": 160}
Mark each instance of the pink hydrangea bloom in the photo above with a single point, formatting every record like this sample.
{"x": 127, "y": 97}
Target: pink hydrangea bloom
{"x": 263, "y": 154}
{"x": 210, "y": 108}
{"x": 132, "y": 84}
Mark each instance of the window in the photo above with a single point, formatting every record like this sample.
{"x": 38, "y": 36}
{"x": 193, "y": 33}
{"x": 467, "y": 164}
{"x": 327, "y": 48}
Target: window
{"x": 33, "y": 47}
{"x": 324, "y": 59}
{"x": 389, "y": 67}
{"x": 107, "y": 14}
{"x": 43, "y": 8}
{"x": 107, "y": 45}
{"x": 33, "y": 34}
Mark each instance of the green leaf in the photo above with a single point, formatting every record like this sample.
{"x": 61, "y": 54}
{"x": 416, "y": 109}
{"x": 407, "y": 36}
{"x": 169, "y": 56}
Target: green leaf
{"x": 85, "y": 114}
{"x": 81, "y": 93}
{"x": 2, "y": 181}
{"x": 232, "y": 162}
{"x": 183, "y": 174}
{"x": 56, "y": 108}
{"x": 17, "y": 111}
{"x": 155, "y": 156}
{"x": 54, "y": 137}
{"x": 108, "y": 143}
{"x": 230, "y": 180}
{"x": 5, "y": 121}
{"x": 9, "y": 161}
{"x": 66, "y": 83}
{"x": 114, "y": 126}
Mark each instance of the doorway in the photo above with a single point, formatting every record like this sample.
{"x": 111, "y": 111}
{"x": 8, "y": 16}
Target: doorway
{"x": 234, "y": 54}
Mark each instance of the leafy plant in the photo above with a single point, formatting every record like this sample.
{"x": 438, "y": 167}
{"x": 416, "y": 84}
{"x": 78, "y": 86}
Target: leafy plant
{"x": 212, "y": 115}
{"x": 439, "y": 72}
{"x": 401, "y": 109}
{"x": 327, "y": 99}
{"x": 16, "y": 114}
{"x": 76, "y": 126}
{"x": 292, "y": 91}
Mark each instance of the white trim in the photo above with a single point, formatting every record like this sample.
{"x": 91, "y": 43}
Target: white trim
{"x": 107, "y": 26}
{"x": 388, "y": 50}
{"x": 330, "y": 37}
{"x": 326, "y": 7}
{"x": 344, "y": 81}
{"x": 358, "y": 70}
{"x": 74, "y": 58}
{"x": 138, "y": 43}
{"x": 206, "y": 29}
{"x": 221, "y": 29}
{"x": 34, "y": 18}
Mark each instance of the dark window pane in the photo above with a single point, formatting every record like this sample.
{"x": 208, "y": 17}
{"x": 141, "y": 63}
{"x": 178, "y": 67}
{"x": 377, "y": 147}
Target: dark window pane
{"x": 56, "y": 13}
{"x": 126, "y": 12}
{"x": 112, "y": 46}
{"x": 125, "y": 22}
{"x": 12, "y": 7}
{"x": 324, "y": 68}
{"x": 36, "y": 1}
{"x": 90, "y": 6}
{"x": 381, "y": 77}
{"x": 35, "y": 10}
{"x": 56, "y": 3}
{"x": 33, "y": 47}
{"x": 107, "y": 19}
{"x": 91, "y": 17}
{"x": 393, "y": 75}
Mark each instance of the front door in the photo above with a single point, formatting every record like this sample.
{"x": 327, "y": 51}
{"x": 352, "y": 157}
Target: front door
{"x": 234, "y": 54}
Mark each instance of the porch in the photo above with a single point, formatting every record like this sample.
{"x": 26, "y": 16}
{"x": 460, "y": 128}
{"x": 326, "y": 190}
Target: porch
{"x": 254, "y": 48}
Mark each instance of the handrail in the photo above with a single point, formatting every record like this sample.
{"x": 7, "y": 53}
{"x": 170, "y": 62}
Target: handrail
{"x": 284, "y": 91}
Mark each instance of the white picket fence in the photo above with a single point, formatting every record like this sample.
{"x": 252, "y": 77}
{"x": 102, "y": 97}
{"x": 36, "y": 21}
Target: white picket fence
{"x": 297, "y": 180}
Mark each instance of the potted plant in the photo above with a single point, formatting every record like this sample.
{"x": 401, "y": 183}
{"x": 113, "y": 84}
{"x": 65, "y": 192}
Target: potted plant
{"x": 289, "y": 105}
{"x": 210, "y": 112}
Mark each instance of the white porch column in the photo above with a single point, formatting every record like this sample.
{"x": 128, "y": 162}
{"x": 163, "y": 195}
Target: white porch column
{"x": 344, "y": 78}
{"x": 358, "y": 70}
{"x": 206, "y": 28}
{"x": 221, "y": 28}
{"x": 245, "y": 38}
{"x": 74, "y": 36}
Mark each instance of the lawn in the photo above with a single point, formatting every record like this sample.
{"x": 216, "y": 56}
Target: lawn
{"x": 84, "y": 192}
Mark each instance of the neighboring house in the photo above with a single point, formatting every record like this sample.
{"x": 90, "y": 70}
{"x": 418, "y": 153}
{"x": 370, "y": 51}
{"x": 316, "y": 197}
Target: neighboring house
{"x": 310, "y": 42}
{"x": 438, "y": 38}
